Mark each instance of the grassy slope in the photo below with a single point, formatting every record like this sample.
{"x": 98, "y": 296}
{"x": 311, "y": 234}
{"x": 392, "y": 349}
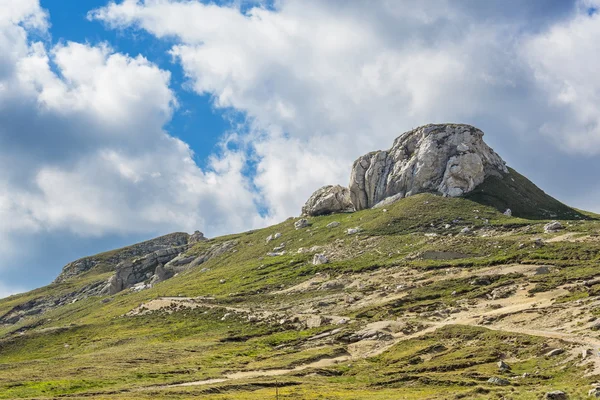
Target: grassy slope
{"x": 522, "y": 196}
{"x": 88, "y": 347}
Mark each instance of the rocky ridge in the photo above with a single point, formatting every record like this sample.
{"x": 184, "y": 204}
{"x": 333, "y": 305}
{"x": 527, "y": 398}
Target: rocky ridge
{"x": 447, "y": 159}
{"x": 110, "y": 259}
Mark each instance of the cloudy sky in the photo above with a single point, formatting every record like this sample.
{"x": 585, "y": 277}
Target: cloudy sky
{"x": 121, "y": 121}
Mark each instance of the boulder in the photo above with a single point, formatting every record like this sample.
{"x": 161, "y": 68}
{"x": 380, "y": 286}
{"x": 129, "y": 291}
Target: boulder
{"x": 556, "y": 395}
{"x": 508, "y": 212}
{"x": 595, "y": 392}
{"x": 552, "y": 227}
{"x": 319, "y": 259}
{"x": 554, "y": 352}
{"x": 502, "y": 366}
{"x": 301, "y": 223}
{"x": 494, "y": 380}
{"x": 449, "y": 159}
{"x": 333, "y": 224}
{"x": 328, "y": 200}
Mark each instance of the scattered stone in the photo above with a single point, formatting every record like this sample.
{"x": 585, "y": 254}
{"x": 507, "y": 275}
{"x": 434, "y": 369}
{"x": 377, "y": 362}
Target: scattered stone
{"x": 314, "y": 321}
{"x": 222, "y": 281}
{"x": 277, "y": 235}
{"x": 327, "y": 200}
{"x": 508, "y": 212}
{"x": 503, "y": 292}
{"x": 333, "y": 224}
{"x": 538, "y": 242}
{"x": 276, "y": 254}
{"x": 542, "y": 270}
{"x": 353, "y": 231}
{"x": 556, "y": 395}
{"x": 502, "y": 366}
{"x": 494, "y": 380}
{"x": 279, "y": 248}
{"x": 595, "y": 392}
{"x": 555, "y": 352}
{"x": 553, "y": 227}
{"x": 319, "y": 259}
{"x": 301, "y": 223}
{"x": 465, "y": 230}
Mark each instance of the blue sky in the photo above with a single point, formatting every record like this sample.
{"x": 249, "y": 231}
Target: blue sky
{"x": 195, "y": 121}
{"x": 121, "y": 121}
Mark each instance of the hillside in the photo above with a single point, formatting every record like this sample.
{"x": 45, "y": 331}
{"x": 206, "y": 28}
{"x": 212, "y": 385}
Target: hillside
{"x": 421, "y": 299}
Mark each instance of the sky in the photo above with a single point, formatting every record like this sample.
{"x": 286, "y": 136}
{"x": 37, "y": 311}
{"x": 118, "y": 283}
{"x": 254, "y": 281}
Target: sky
{"x": 124, "y": 120}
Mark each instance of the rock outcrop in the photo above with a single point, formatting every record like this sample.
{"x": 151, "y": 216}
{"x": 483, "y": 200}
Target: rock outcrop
{"x": 131, "y": 272}
{"x": 109, "y": 260}
{"x": 327, "y": 200}
{"x": 448, "y": 159}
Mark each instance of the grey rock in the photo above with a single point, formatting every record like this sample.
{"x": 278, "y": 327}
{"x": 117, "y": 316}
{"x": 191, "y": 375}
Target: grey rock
{"x": 595, "y": 392}
{"x": 215, "y": 250}
{"x": 556, "y": 395}
{"x": 542, "y": 270}
{"x": 553, "y": 227}
{"x": 352, "y": 231}
{"x": 430, "y": 158}
{"x": 196, "y": 237}
{"x": 555, "y": 352}
{"x": 319, "y": 259}
{"x": 508, "y": 212}
{"x": 494, "y": 380}
{"x": 502, "y": 366}
{"x": 333, "y": 224}
{"x": 301, "y": 223}
{"x": 328, "y": 200}
{"x": 111, "y": 261}
{"x": 160, "y": 274}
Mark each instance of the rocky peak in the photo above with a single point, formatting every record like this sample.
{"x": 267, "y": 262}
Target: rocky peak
{"x": 109, "y": 260}
{"x": 448, "y": 159}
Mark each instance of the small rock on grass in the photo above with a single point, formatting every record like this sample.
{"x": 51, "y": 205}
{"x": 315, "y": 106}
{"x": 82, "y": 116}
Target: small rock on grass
{"x": 494, "y": 380}
{"x": 556, "y": 395}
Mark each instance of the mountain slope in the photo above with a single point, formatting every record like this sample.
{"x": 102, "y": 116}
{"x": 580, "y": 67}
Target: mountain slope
{"x": 422, "y": 302}
{"x": 522, "y": 197}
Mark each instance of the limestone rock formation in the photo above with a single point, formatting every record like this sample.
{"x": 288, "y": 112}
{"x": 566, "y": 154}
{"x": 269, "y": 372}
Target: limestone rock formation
{"x": 196, "y": 237}
{"x": 449, "y": 159}
{"x": 327, "y": 200}
{"x": 131, "y": 272}
{"x": 111, "y": 259}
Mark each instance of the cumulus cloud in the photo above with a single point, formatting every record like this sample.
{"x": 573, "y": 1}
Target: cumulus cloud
{"x": 565, "y": 63}
{"x": 322, "y": 82}
{"x": 82, "y": 145}
{"x": 83, "y": 150}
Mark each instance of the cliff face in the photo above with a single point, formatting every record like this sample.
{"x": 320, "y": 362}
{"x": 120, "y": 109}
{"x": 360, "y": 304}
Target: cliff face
{"x": 109, "y": 260}
{"x": 448, "y": 159}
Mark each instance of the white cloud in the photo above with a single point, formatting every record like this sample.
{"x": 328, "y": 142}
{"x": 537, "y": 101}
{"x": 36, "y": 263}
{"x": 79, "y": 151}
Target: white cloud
{"x": 323, "y": 82}
{"x": 565, "y": 61}
{"x": 83, "y": 150}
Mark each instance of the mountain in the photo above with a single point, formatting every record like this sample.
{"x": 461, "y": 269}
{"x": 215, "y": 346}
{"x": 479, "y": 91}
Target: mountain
{"x": 423, "y": 293}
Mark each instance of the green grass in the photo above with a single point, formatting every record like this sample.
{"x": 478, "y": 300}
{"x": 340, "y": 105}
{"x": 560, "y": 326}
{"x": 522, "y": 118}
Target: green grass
{"x": 90, "y": 349}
